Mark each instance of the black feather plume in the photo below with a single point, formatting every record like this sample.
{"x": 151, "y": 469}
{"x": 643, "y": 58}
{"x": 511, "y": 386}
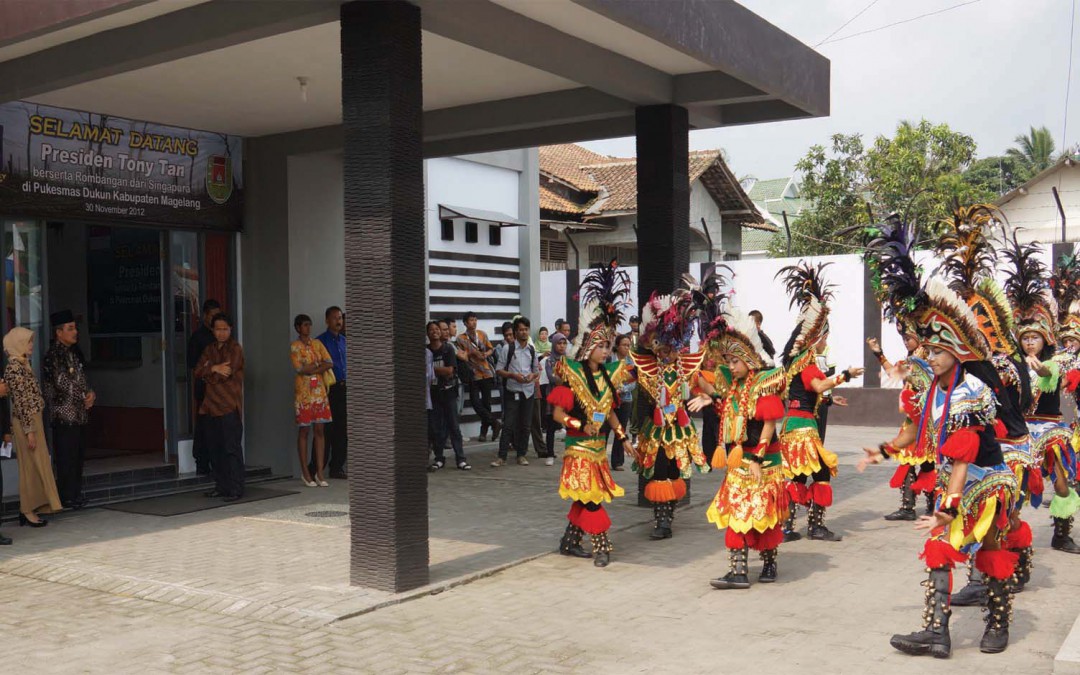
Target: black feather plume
{"x": 1065, "y": 283}
{"x": 965, "y": 248}
{"x": 804, "y": 282}
{"x": 894, "y": 274}
{"x": 607, "y": 286}
{"x": 1026, "y": 276}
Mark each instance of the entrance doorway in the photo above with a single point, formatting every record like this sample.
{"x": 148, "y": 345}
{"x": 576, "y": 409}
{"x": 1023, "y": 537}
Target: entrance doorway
{"x": 111, "y": 278}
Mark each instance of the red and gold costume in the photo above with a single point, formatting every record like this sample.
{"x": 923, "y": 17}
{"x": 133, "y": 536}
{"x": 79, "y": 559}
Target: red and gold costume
{"x": 589, "y": 398}
{"x": 668, "y": 449}
{"x": 752, "y": 511}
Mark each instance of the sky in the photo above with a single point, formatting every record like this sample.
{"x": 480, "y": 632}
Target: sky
{"x": 990, "y": 69}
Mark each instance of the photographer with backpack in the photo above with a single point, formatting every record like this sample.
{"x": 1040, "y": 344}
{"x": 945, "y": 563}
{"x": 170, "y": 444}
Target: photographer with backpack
{"x": 520, "y": 370}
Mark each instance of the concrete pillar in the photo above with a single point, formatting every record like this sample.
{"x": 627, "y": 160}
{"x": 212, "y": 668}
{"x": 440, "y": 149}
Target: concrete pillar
{"x": 663, "y": 198}
{"x": 385, "y": 293}
{"x": 529, "y": 236}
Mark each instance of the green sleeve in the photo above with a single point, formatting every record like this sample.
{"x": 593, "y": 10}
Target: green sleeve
{"x": 1050, "y": 382}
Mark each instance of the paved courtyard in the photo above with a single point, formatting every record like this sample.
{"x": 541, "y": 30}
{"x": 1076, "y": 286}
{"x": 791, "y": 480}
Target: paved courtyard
{"x": 262, "y": 587}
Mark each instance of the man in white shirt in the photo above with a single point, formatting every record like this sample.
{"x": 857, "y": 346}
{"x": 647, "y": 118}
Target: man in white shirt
{"x": 520, "y": 370}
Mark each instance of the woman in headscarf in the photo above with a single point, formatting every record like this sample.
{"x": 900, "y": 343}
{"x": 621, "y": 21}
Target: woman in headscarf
{"x": 37, "y": 489}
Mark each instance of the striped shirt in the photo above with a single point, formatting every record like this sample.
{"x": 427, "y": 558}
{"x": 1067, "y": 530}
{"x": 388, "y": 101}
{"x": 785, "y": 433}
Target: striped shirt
{"x": 224, "y": 395}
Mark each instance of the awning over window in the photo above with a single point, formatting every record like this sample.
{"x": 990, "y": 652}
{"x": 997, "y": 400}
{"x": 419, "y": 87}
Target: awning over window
{"x": 493, "y": 217}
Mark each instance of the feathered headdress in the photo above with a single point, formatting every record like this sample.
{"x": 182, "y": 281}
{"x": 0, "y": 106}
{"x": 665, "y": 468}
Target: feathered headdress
{"x": 742, "y": 340}
{"x": 893, "y": 274}
{"x": 1065, "y": 284}
{"x": 968, "y": 267}
{"x": 1027, "y": 286}
{"x": 948, "y": 323}
{"x": 669, "y": 321}
{"x": 603, "y": 293}
{"x": 808, "y": 289}
{"x": 711, "y": 299}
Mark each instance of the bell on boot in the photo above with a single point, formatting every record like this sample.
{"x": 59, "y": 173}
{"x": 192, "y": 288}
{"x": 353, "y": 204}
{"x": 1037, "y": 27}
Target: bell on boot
{"x": 974, "y": 594}
{"x": 602, "y": 548}
{"x": 768, "y": 567}
{"x": 1023, "y": 569}
{"x": 816, "y": 525}
{"x": 998, "y": 608}
{"x": 790, "y": 533}
{"x": 663, "y": 514}
{"x": 1061, "y": 541}
{"x": 571, "y": 543}
{"x": 934, "y": 638}
{"x": 737, "y": 578}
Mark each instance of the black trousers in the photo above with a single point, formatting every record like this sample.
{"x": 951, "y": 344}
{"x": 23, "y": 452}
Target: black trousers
{"x": 447, "y": 425}
{"x": 227, "y": 454}
{"x": 480, "y": 400}
{"x": 536, "y": 429}
{"x": 823, "y": 418}
{"x": 200, "y": 449}
{"x": 517, "y": 423}
{"x": 69, "y": 452}
{"x": 710, "y": 431}
{"x": 337, "y": 432}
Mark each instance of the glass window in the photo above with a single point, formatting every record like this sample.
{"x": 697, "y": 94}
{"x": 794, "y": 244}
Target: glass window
{"x": 447, "y": 229}
{"x": 185, "y": 310}
{"x": 494, "y": 235}
{"x": 472, "y": 234}
{"x": 24, "y": 281}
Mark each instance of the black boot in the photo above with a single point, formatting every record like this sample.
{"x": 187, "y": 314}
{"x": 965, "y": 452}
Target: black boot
{"x": 571, "y": 542}
{"x": 768, "y": 567}
{"x": 664, "y": 513}
{"x": 602, "y": 549}
{"x": 929, "y": 503}
{"x": 934, "y": 638}
{"x": 1061, "y": 541}
{"x": 974, "y": 594}
{"x": 737, "y": 577}
{"x": 790, "y": 533}
{"x": 907, "y": 500}
{"x": 1023, "y": 568}
{"x": 998, "y": 613}
{"x": 816, "y": 525}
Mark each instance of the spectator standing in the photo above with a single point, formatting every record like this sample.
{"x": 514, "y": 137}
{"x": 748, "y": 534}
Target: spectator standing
{"x": 520, "y": 369}
{"x": 543, "y": 343}
{"x": 337, "y": 431}
{"x": 626, "y": 393}
{"x": 202, "y": 338}
{"x": 311, "y": 363}
{"x": 565, "y": 330}
{"x": 69, "y": 399}
{"x": 551, "y": 380}
{"x": 433, "y": 429}
{"x": 221, "y": 366}
{"x": 766, "y": 343}
{"x": 478, "y": 350}
{"x": 638, "y": 405}
{"x": 5, "y": 430}
{"x": 444, "y": 398}
{"x": 37, "y": 489}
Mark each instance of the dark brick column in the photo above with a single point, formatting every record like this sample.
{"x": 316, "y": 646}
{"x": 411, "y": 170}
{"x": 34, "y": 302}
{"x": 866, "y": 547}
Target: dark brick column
{"x": 384, "y": 289}
{"x": 663, "y": 201}
{"x": 663, "y": 198}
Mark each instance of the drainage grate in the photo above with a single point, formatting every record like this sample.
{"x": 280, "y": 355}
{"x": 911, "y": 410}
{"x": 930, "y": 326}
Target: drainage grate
{"x": 326, "y": 514}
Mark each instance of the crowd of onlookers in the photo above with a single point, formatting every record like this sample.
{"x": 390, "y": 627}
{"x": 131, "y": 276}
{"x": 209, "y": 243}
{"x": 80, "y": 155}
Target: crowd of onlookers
{"x": 521, "y": 367}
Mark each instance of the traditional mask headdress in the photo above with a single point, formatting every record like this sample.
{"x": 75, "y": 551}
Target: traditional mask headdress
{"x": 808, "y": 289}
{"x": 968, "y": 267}
{"x": 742, "y": 340}
{"x": 669, "y": 320}
{"x": 603, "y": 294}
{"x": 1065, "y": 284}
{"x": 1028, "y": 289}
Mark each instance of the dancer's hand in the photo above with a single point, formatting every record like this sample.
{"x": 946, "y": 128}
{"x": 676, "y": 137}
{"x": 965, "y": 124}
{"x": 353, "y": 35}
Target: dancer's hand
{"x": 840, "y": 401}
{"x": 630, "y": 450}
{"x": 855, "y": 372}
{"x": 699, "y": 402}
{"x": 874, "y": 345}
{"x": 873, "y": 456}
{"x": 756, "y": 473}
{"x": 591, "y": 429}
{"x": 939, "y": 519}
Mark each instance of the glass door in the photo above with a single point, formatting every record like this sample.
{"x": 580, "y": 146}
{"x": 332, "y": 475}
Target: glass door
{"x": 182, "y": 319}
{"x": 25, "y": 287}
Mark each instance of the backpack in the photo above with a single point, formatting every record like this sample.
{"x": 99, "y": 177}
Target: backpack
{"x": 510, "y": 353}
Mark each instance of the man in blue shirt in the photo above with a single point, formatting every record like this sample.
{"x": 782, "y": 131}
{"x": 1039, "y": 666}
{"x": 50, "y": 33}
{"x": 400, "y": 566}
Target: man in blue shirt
{"x": 337, "y": 433}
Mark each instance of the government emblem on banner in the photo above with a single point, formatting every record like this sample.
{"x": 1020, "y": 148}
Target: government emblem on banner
{"x": 219, "y": 183}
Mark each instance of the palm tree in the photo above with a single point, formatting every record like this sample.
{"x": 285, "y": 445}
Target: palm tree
{"x": 1035, "y": 150}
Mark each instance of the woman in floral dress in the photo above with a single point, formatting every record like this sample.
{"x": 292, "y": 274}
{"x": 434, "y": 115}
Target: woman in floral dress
{"x": 313, "y": 367}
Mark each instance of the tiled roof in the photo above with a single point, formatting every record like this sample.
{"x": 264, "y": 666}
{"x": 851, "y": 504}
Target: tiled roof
{"x": 615, "y": 183}
{"x": 768, "y": 189}
{"x": 565, "y": 162}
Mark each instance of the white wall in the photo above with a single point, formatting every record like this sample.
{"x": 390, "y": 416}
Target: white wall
{"x": 316, "y": 237}
{"x": 1035, "y": 215}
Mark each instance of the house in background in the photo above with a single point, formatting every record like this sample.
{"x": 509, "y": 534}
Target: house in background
{"x": 1032, "y": 209}
{"x": 588, "y": 208}
{"x": 774, "y": 198}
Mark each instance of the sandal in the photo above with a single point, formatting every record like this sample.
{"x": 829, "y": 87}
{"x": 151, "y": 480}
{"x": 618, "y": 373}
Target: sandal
{"x": 436, "y": 465}
{"x": 464, "y": 466}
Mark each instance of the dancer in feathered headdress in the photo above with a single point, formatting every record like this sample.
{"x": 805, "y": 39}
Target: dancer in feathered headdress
{"x": 752, "y": 502}
{"x": 804, "y": 453}
{"x": 977, "y": 490}
{"x": 1065, "y": 284}
{"x": 585, "y": 403}
{"x": 889, "y": 257}
{"x": 668, "y": 448}
{"x": 1028, "y": 288}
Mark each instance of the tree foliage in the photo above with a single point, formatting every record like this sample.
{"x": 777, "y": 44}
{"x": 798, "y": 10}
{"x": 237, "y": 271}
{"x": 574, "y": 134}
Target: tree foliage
{"x": 991, "y": 177}
{"x": 1034, "y": 150}
{"x": 917, "y": 172}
